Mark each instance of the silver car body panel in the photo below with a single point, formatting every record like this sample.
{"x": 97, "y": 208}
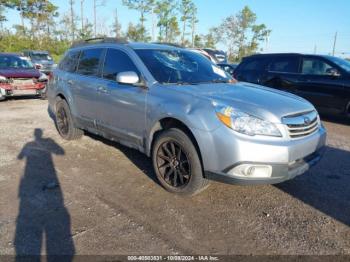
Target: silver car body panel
{"x": 131, "y": 115}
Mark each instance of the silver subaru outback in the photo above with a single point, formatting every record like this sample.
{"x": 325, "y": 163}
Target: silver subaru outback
{"x": 185, "y": 113}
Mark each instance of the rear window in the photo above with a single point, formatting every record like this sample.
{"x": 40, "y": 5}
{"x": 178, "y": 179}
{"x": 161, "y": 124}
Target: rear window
{"x": 89, "y": 62}
{"x": 285, "y": 65}
{"x": 70, "y": 61}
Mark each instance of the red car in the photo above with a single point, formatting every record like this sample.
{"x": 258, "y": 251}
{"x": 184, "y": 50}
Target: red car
{"x": 19, "y": 77}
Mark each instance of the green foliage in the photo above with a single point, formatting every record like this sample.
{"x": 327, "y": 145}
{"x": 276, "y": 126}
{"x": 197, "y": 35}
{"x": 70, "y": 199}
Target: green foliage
{"x": 16, "y": 43}
{"x": 135, "y": 33}
{"x": 144, "y": 7}
{"x": 198, "y": 42}
{"x": 42, "y": 28}
{"x": 210, "y": 39}
{"x": 241, "y": 34}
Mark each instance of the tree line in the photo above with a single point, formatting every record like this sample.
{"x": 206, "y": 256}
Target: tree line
{"x": 41, "y": 26}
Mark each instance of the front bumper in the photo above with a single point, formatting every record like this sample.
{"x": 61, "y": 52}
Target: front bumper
{"x": 286, "y": 158}
{"x": 280, "y": 172}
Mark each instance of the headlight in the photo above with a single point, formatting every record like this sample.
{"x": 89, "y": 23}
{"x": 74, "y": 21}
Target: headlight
{"x": 3, "y": 79}
{"x": 244, "y": 123}
{"x": 42, "y": 77}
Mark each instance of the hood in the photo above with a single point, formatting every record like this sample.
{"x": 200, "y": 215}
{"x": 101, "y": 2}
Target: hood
{"x": 265, "y": 103}
{"x": 20, "y": 73}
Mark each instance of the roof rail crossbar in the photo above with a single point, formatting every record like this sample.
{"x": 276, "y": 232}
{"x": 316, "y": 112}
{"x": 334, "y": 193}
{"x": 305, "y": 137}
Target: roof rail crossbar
{"x": 100, "y": 40}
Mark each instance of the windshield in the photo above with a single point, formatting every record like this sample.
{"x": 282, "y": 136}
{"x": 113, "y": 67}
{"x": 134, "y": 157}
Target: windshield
{"x": 15, "y": 62}
{"x": 341, "y": 62}
{"x": 41, "y": 57}
{"x": 181, "y": 67}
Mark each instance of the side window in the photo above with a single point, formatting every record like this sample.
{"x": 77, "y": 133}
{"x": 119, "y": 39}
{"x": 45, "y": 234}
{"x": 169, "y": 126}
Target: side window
{"x": 89, "y": 62}
{"x": 117, "y": 61}
{"x": 285, "y": 65}
{"x": 314, "y": 66}
{"x": 70, "y": 61}
{"x": 254, "y": 65}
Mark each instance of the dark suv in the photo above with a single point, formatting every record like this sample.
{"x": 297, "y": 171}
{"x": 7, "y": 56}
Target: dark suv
{"x": 323, "y": 80}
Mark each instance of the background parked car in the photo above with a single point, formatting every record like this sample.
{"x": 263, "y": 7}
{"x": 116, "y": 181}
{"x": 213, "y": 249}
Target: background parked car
{"x": 229, "y": 68}
{"x": 18, "y": 77}
{"x": 218, "y": 55}
{"x": 323, "y": 80}
{"x": 41, "y": 60}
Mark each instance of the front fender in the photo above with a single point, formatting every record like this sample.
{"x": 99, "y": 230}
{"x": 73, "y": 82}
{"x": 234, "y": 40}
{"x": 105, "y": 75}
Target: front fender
{"x": 198, "y": 115}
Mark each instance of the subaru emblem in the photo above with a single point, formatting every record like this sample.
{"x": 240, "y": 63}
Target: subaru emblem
{"x": 307, "y": 120}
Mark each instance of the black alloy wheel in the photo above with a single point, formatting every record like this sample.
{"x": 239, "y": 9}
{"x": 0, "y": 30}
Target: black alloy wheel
{"x": 173, "y": 164}
{"x": 62, "y": 121}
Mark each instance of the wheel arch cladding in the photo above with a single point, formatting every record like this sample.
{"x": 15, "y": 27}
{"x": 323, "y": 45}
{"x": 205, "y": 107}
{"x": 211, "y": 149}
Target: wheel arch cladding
{"x": 168, "y": 123}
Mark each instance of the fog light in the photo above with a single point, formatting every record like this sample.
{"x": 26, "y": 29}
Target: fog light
{"x": 249, "y": 170}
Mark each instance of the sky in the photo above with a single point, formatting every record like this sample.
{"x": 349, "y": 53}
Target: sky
{"x": 297, "y": 25}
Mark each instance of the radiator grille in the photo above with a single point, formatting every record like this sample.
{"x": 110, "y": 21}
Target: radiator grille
{"x": 302, "y": 125}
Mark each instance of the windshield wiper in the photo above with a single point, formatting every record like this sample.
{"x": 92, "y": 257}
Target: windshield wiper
{"x": 180, "y": 83}
{"x": 217, "y": 81}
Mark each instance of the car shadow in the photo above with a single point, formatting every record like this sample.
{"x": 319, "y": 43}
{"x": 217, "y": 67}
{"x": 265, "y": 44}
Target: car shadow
{"x": 139, "y": 159}
{"x": 337, "y": 119}
{"x": 43, "y": 220}
{"x": 326, "y": 186}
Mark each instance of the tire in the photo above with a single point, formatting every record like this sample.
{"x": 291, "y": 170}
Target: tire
{"x": 64, "y": 122}
{"x": 182, "y": 172}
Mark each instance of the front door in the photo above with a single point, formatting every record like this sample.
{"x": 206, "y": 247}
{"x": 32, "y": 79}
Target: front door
{"x": 317, "y": 85}
{"x": 122, "y": 112}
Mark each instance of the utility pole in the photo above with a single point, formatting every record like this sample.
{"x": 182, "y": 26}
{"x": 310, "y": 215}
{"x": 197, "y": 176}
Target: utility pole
{"x": 335, "y": 42}
{"x": 315, "y": 49}
{"x": 82, "y": 14}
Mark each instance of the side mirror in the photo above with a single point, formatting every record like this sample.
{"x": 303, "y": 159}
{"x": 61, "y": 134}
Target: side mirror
{"x": 128, "y": 78}
{"x": 333, "y": 72}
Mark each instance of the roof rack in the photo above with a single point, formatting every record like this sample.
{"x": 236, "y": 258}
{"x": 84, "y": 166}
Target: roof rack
{"x": 169, "y": 44}
{"x": 100, "y": 40}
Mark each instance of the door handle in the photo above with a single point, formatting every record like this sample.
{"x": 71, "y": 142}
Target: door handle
{"x": 102, "y": 89}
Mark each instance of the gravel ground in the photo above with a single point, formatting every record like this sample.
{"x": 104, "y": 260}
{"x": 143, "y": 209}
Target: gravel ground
{"x": 96, "y": 197}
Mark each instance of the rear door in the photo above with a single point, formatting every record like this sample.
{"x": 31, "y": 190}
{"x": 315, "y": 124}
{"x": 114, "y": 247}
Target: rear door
{"x": 318, "y": 86}
{"x": 122, "y": 108}
{"x": 283, "y": 73}
{"x": 84, "y": 85}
